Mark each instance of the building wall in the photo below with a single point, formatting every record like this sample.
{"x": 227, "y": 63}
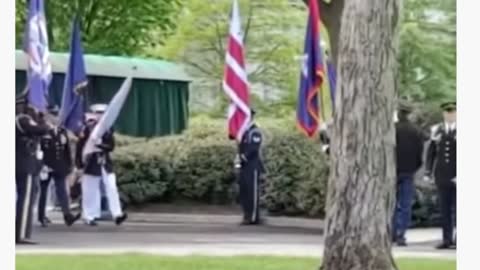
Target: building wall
{"x": 153, "y": 108}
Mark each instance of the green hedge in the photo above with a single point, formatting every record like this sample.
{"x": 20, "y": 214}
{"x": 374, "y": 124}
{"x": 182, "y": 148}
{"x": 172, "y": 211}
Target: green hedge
{"x": 198, "y": 166}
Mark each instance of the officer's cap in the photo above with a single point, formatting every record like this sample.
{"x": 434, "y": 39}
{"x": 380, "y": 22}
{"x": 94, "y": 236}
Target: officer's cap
{"x": 98, "y": 108}
{"x": 449, "y": 106}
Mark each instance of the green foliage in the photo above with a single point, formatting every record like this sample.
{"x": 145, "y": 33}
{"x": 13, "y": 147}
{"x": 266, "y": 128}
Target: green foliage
{"x": 111, "y": 27}
{"x": 428, "y": 51}
{"x": 297, "y": 177}
{"x": 145, "y": 175}
{"x": 273, "y": 38}
{"x": 426, "y": 210}
{"x": 198, "y": 166}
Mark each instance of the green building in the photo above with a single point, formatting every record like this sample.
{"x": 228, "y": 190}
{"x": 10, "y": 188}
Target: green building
{"x": 158, "y": 101}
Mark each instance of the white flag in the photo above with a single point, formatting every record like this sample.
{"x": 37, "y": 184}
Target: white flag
{"x": 108, "y": 118}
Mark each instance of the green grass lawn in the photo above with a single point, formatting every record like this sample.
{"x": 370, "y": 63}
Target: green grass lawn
{"x": 145, "y": 262}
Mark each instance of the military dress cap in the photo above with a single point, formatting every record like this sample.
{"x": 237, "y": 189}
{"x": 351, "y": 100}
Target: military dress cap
{"x": 449, "y": 106}
{"x": 98, "y": 108}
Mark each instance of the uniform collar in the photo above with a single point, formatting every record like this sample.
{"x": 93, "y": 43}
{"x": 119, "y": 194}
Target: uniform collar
{"x": 450, "y": 127}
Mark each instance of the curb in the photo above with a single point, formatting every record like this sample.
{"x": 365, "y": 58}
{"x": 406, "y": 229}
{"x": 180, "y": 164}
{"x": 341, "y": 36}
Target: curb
{"x": 287, "y": 222}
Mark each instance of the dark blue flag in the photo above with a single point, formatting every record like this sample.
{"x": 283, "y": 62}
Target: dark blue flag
{"x": 35, "y": 45}
{"x": 73, "y": 100}
{"x": 311, "y": 75}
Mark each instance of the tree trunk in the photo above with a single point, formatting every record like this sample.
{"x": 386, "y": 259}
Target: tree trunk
{"x": 362, "y": 177}
{"x": 331, "y": 14}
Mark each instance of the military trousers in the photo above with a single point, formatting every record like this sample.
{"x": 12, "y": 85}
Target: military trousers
{"x": 27, "y": 186}
{"x": 249, "y": 194}
{"x": 60, "y": 190}
{"x": 448, "y": 209}
{"x": 91, "y": 195}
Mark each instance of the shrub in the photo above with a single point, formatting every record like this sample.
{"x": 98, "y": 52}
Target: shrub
{"x": 198, "y": 166}
{"x": 144, "y": 175}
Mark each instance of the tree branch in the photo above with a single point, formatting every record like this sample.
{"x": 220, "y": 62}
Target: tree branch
{"x": 247, "y": 27}
{"x": 199, "y": 67}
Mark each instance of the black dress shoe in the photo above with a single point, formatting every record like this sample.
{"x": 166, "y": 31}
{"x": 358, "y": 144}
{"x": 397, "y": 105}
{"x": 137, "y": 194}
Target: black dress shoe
{"x": 71, "y": 219}
{"x": 43, "y": 223}
{"x": 444, "y": 245}
{"x": 91, "y": 223}
{"x": 401, "y": 242}
{"x": 119, "y": 220}
{"x": 25, "y": 242}
{"x": 245, "y": 222}
{"x": 248, "y": 222}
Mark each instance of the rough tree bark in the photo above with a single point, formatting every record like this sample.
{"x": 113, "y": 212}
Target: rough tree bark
{"x": 361, "y": 185}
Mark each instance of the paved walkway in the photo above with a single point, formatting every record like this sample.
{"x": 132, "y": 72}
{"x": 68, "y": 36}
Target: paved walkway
{"x": 216, "y": 235}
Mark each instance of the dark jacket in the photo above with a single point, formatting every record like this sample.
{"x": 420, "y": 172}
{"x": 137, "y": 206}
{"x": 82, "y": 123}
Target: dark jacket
{"x": 56, "y": 149}
{"x": 442, "y": 155}
{"x": 409, "y": 148}
{"x": 249, "y": 149}
{"x": 27, "y": 134}
{"x": 95, "y": 161}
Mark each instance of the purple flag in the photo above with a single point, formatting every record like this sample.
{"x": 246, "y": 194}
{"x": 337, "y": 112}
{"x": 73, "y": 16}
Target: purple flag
{"x": 35, "y": 45}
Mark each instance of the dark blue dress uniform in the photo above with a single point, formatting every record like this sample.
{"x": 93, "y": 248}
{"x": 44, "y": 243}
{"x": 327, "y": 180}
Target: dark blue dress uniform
{"x": 57, "y": 165}
{"x": 251, "y": 169}
{"x": 27, "y": 131}
{"x": 442, "y": 164}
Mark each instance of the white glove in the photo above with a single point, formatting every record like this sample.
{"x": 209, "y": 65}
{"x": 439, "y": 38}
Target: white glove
{"x": 44, "y": 173}
{"x": 325, "y": 148}
{"x": 454, "y": 180}
{"x": 39, "y": 154}
{"x": 427, "y": 179}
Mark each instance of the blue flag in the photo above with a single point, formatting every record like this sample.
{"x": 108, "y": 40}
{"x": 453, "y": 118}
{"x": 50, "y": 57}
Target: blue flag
{"x": 35, "y": 45}
{"x": 312, "y": 75}
{"x": 73, "y": 101}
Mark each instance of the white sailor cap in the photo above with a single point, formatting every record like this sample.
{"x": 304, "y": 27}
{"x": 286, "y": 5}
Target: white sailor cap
{"x": 98, "y": 108}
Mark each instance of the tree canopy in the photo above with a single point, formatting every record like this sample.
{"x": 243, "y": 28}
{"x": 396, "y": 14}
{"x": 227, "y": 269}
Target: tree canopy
{"x": 273, "y": 34}
{"x": 194, "y": 33}
{"x": 427, "y": 60}
{"x": 111, "y": 27}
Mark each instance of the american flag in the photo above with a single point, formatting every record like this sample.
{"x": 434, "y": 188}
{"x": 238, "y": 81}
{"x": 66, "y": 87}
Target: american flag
{"x": 235, "y": 82}
{"x": 35, "y": 45}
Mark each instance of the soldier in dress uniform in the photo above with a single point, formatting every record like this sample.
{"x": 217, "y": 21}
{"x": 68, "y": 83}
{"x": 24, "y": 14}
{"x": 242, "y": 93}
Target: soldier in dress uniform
{"x": 442, "y": 165}
{"x": 29, "y": 126}
{"x": 57, "y": 165}
{"x": 98, "y": 169}
{"x": 250, "y": 172}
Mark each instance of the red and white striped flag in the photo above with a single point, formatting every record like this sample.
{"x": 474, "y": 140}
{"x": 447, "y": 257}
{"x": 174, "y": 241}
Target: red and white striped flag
{"x": 235, "y": 83}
